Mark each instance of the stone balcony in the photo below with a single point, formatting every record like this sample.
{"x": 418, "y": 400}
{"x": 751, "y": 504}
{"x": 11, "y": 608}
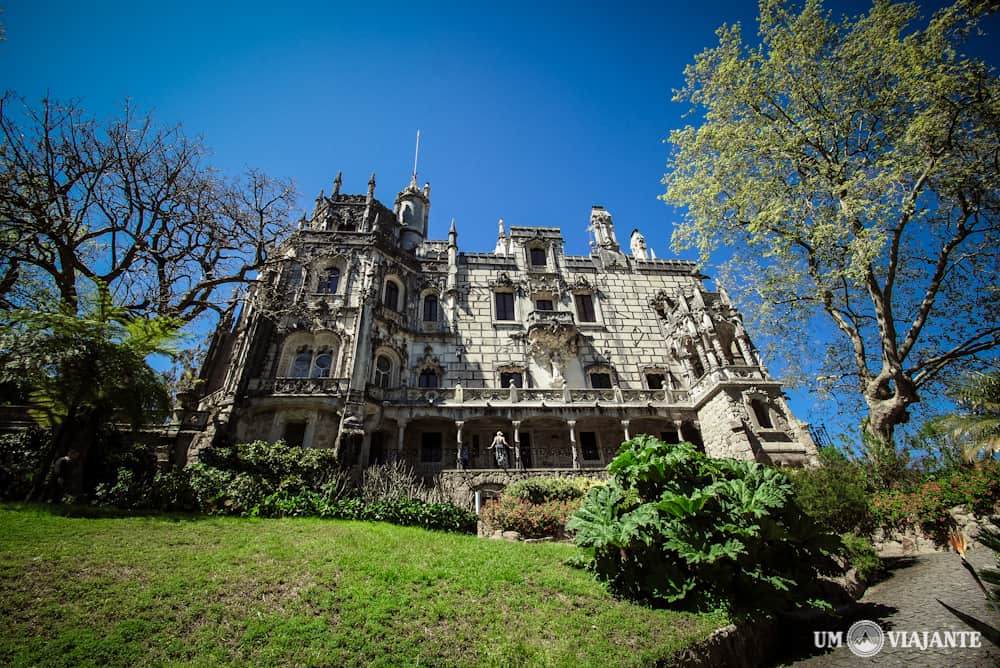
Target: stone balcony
{"x": 303, "y": 386}
{"x": 459, "y": 396}
{"x": 551, "y": 330}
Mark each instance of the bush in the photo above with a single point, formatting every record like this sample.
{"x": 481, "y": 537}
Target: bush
{"x": 675, "y": 527}
{"x": 861, "y": 556}
{"x": 236, "y": 479}
{"x": 834, "y": 494}
{"x": 977, "y": 488}
{"x": 540, "y": 490}
{"x": 531, "y": 520}
{"x": 402, "y": 512}
{"x": 20, "y": 459}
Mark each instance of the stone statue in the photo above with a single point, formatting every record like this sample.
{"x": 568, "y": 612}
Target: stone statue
{"x": 604, "y": 229}
{"x": 499, "y": 448}
{"x": 638, "y": 245}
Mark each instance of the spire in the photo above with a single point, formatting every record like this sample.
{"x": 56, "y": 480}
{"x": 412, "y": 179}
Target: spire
{"x": 416, "y": 154}
{"x": 502, "y": 245}
{"x": 371, "y": 185}
{"x": 337, "y": 183}
{"x": 452, "y": 284}
{"x": 452, "y": 230}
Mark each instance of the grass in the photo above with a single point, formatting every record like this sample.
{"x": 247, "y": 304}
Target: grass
{"x": 111, "y": 591}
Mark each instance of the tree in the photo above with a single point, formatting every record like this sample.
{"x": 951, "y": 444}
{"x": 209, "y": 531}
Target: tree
{"x": 979, "y": 395}
{"x": 86, "y": 372}
{"x": 851, "y": 168}
{"x": 129, "y": 205}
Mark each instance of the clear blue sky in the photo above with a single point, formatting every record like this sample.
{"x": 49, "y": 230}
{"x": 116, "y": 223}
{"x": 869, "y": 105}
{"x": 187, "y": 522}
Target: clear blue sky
{"x": 529, "y": 112}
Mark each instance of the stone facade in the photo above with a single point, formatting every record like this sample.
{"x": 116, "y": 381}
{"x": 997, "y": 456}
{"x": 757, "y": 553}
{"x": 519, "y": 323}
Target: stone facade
{"x": 367, "y": 337}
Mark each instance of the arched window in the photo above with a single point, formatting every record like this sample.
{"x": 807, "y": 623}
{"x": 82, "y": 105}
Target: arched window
{"x": 391, "y": 298}
{"x": 329, "y": 280}
{"x": 301, "y": 363}
{"x": 383, "y": 371}
{"x": 538, "y": 257}
{"x": 428, "y": 378}
{"x": 430, "y": 308}
{"x": 322, "y": 365}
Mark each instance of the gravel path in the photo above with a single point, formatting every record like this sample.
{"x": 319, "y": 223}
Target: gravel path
{"x": 930, "y": 592}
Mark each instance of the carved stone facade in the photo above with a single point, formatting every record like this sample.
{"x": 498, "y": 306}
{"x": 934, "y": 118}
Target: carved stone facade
{"x": 365, "y": 336}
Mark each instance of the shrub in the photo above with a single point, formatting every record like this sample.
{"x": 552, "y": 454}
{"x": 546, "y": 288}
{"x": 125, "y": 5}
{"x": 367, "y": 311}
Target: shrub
{"x": 20, "y": 459}
{"x": 977, "y": 488}
{"x": 540, "y": 490}
{"x": 834, "y": 494}
{"x": 236, "y": 479}
{"x": 675, "y": 527}
{"x": 531, "y": 520}
{"x": 861, "y": 555}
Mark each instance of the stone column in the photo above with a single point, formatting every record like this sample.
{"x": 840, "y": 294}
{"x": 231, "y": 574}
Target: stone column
{"x": 677, "y": 426}
{"x": 572, "y": 443}
{"x": 745, "y": 349}
{"x": 625, "y": 424}
{"x": 719, "y": 352}
{"x": 707, "y": 360}
{"x": 459, "y": 463}
{"x": 518, "y": 462}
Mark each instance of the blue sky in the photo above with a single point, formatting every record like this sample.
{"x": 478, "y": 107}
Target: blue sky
{"x": 529, "y": 112}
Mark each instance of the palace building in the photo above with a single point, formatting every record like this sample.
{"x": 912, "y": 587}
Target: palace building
{"x": 365, "y": 336}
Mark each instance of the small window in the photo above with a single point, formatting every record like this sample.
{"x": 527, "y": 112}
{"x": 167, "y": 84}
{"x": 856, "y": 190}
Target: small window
{"x": 600, "y": 381}
{"x": 329, "y": 281}
{"x": 301, "y": 364}
{"x": 656, "y": 381}
{"x": 544, "y": 305}
{"x": 762, "y": 413}
{"x": 383, "y": 371}
{"x": 391, "y": 299}
{"x": 588, "y": 445}
{"x": 585, "y": 308}
{"x": 538, "y": 257}
{"x": 508, "y": 377}
{"x": 430, "y": 308}
{"x": 428, "y": 378}
{"x": 294, "y": 276}
{"x": 295, "y": 434}
{"x": 322, "y": 364}
{"x": 505, "y": 305}
{"x": 430, "y": 447}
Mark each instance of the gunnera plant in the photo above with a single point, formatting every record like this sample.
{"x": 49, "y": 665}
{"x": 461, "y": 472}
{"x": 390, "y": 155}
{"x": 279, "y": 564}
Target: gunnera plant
{"x": 674, "y": 527}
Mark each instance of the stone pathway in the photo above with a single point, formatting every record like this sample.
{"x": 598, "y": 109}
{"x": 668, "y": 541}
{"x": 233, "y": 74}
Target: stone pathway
{"x": 930, "y": 592}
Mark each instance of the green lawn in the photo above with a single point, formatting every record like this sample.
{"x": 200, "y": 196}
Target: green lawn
{"x": 207, "y": 591}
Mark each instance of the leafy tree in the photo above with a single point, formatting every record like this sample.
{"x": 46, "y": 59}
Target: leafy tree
{"x": 979, "y": 423}
{"x": 851, "y": 168}
{"x": 128, "y": 204}
{"x": 85, "y": 372}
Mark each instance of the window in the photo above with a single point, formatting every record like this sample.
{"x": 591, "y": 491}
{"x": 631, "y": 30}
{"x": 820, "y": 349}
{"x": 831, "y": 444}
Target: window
{"x": 428, "y": 378}
{"x": 383, "y": 371}
{"x": 430, "y": 308}
{"x": 508, "y": 377}
{"x": 600, "y": 381}
{"x": 656, "y": 381}
{"x": 301, "y": 364}
{"x": 391, "y": 298}
{"x": 322, "y": 364}
{"x": 538, "y": 257}
{"x": 505, "y": 305}
{"x": 295, "y": 434}
{"x": 328, "y": 281}
{"x": 585, "y": 308}
{"x": 762, "y": 413}
{"x": 543, "y": 305}
{"x": 588, "y": 445}
{"x": 430, "y": 447}
{"x": 294, "y": 276}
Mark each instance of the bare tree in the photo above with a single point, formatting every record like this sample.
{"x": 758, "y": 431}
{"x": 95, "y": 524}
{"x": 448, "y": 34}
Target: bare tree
{"x": 128, "y": 204}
